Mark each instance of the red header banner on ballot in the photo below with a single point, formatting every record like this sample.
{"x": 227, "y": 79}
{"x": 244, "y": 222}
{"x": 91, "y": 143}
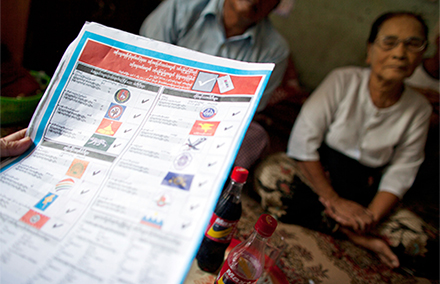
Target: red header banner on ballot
{"x": 157, "y": 71}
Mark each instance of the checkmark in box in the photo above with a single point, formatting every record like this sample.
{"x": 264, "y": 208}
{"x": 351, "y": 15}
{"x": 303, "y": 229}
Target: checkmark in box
{"x": 205, "y": 82}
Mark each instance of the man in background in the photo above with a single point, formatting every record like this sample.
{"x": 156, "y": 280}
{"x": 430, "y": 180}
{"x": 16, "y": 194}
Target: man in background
{"x": 235, "y": 29}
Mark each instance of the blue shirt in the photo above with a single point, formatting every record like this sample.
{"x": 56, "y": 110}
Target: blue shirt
{"x": 198, "y": 25}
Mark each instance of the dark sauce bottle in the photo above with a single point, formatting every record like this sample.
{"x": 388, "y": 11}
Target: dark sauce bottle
{"x": 223, "y": 223}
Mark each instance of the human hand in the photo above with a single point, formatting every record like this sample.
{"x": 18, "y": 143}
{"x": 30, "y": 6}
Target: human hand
{"x": 349, "y": 214}
{"x": 14, "y": 144}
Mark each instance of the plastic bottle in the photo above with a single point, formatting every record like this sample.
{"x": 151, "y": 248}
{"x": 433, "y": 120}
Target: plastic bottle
{"x": 245, "y": 262}
{"x": 223, "y": 223}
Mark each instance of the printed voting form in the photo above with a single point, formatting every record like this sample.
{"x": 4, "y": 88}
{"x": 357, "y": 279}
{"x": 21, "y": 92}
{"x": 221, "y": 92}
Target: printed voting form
{"x": 133, "y": 141}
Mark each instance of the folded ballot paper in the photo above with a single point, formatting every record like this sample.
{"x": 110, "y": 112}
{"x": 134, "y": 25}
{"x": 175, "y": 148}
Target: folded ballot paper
{"x": 133, "y": 141}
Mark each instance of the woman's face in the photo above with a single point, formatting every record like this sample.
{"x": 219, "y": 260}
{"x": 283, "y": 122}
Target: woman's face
{"x": 397, "y": 63}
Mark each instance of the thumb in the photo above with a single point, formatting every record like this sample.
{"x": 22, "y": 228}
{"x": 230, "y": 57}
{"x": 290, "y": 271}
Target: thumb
{"x": 14, "y": 148}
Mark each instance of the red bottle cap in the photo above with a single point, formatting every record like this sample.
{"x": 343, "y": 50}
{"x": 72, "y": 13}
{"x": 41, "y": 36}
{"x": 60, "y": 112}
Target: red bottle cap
{"x": 239, "y": 174}
{"x": 266, "y": 225}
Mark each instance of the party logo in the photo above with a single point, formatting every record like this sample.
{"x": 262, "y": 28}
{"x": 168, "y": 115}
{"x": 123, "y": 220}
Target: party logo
{"x": 182, "y": 160}
{"x": 181, "y": 181}
{"x": 77, "y": 168}
{"x": 64, "y": 184}
{"x": 194, "y": 145}
{"x": 204, "y": 128}
{"x": 122, "y": 96}
{"x": 108, "y": 127}
{"x": 208, "y": 112}
{"x": 46, "y": 201}
{"x": 152, "y": 221}
{"x": 163, "y": 200}
{"x": 34, "y": 219}
{"x": 115, "y": 111}
{"x": 100, "y": 142}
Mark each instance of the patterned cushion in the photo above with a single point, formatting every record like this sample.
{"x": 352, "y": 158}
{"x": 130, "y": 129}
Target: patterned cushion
{"x": 277, "y": 177}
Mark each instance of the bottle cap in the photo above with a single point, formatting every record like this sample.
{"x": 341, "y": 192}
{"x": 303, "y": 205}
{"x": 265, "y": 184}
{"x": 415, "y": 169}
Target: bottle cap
{"x": 239, "y": 174}
{"x": 266, "y": 225}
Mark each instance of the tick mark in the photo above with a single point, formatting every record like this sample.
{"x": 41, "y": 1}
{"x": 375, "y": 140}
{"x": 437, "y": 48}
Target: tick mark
{"x": 206, "y": 82}
{"x": 185, "y": 225}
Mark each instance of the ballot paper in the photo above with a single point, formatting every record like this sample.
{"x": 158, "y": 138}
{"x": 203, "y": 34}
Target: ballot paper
{"x": 133, "y": 142}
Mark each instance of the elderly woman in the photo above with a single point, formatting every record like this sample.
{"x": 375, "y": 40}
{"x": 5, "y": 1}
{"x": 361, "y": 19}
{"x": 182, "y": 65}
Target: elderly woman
{"x": 359, "y": 138}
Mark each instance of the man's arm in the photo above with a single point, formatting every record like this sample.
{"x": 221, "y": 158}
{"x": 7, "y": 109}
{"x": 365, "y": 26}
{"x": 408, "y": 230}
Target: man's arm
{"x": 160, "y": 24}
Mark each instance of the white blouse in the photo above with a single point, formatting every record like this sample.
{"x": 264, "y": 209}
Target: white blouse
{"x": 341, "y": 113}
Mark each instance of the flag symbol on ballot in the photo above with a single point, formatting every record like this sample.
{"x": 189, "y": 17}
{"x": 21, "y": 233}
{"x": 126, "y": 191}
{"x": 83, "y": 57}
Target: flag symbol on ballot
{"x": 34, "y": 219}
{"x": 47, "y": 200}
{"x": 204, "y": 128}
{"x": 108, "y": 127}
{"x": 178, "y": 180}
{"x": 152, "y": 221}
{"x": 77, "y": 168}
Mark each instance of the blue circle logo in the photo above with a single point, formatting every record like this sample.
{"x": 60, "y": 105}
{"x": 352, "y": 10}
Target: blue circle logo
{"x": 208, "y": 112}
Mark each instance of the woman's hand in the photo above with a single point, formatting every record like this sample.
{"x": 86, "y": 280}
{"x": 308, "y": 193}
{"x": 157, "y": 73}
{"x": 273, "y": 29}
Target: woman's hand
{"x": 349, "y": 214}
{"x": 14, "y": 144}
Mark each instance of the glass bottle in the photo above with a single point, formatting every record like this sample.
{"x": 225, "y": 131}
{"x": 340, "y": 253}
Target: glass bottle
{"x": 223, "y": 223}
{"x": 245, "y": 262}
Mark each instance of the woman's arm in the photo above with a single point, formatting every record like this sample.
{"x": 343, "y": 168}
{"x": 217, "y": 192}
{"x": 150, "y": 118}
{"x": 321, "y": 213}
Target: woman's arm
{"x": 315, "y": 174}
{"x": 346, "y": 212}
{"x": 382, "y": 204}
{"x": 309, "y": 131}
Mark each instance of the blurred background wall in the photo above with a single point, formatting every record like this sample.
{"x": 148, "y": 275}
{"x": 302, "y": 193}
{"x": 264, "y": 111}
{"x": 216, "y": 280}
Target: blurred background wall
{"x": 322, "y": 34}
{"x": 37, "y": 32}
{"x": 325, "y": 34}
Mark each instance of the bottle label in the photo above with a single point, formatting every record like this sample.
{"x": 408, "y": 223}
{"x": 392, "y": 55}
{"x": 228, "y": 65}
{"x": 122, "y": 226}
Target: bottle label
{"x": 228, "y": 276}
{"x": 220, "y": 230}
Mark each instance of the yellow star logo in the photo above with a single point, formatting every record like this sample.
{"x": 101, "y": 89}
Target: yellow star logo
{"x": 206, "y": 126}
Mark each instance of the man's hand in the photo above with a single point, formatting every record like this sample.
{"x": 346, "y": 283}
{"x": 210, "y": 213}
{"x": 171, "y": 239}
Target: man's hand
{"x": 349, "y": 214}
{"x": 14, "y": 144}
